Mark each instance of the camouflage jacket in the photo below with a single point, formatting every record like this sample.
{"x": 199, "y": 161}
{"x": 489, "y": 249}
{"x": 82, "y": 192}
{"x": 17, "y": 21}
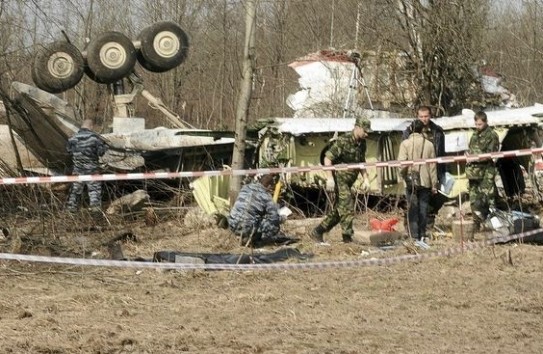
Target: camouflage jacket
{"x": 482, "y": 142}
{"x": 347, "y": 150}
{"x": 254, "y": 204}
{"x": 86, "y": 147}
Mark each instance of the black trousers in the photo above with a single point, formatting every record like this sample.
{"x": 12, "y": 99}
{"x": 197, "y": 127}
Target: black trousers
{"x": 418, "y": 199}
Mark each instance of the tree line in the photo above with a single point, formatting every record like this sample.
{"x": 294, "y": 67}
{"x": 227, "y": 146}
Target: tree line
{"x": 442, "y": 40}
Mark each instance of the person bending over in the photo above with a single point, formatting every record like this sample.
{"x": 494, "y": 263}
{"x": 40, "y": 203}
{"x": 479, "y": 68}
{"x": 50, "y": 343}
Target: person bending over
{"x": 255, "y": 216}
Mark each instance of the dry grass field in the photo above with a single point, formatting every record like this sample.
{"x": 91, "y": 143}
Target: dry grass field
{"x": 484, "y": 301}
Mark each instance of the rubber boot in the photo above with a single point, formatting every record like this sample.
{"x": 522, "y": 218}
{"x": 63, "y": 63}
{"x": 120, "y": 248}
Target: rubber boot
{"x": 317, "y": 234}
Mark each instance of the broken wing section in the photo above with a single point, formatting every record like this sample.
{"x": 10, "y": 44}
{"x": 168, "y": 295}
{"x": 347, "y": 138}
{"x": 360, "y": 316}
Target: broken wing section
{"x": 45, "y": 122}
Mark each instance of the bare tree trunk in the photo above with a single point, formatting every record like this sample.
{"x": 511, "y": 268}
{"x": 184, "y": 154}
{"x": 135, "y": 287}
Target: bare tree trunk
{"x": 244, "y": 101}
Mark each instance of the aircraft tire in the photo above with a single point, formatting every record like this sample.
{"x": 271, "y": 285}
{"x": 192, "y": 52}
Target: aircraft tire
{"x": 110, "y": 57}
{"x": 164, "y": 45}
{"x": 57, "y": 67}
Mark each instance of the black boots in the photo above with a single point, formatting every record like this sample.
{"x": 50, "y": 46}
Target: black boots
{"x": 317, "y": 234}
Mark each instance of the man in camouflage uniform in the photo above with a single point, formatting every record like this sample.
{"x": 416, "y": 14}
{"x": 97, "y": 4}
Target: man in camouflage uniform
{"x": 347, "y": 149}
{"x": 86, "y": 147}
{"x": 481, "y": 174}
{"x": 255, "y": 216}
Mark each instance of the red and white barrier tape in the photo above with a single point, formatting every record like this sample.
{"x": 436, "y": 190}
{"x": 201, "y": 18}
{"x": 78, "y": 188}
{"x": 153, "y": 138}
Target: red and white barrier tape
{"x": 293, "y": 169}
{"x": 268, "y": 266}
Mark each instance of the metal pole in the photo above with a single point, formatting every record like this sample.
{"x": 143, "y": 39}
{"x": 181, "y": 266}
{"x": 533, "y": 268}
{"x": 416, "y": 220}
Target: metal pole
{"x": 352, "y": 82}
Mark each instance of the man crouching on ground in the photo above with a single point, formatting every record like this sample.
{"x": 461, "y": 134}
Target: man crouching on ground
{"x": 255, "y": 216}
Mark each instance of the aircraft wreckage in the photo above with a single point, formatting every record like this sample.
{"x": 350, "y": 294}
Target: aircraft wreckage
{"x": 44, "y": 122}
{"x": 332, "y": 86}
{"x": 327, "y": 79}
{"x": 289, "y": 142}
{"x": 50, "y": 121}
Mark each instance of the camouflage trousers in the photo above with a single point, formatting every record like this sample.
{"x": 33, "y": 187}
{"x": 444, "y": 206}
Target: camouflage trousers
{"x": 343, "y": 212}
{"x": 482, "y": 193}
{"x": 94, "y": 189}
{"x": 262, "y": 230}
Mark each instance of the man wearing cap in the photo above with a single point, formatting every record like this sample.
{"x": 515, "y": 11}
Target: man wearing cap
{"x": 347, "y": 149}
{"x": 481, "y": 174}
{"x": 255, "y": 216}
{"x": 86, "y": 148}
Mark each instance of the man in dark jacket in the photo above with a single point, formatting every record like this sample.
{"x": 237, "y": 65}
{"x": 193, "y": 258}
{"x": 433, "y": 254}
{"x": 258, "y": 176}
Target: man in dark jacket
{"x": 86, "y": 147}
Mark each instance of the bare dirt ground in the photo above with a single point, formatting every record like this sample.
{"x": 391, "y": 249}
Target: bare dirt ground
{"x": 485, "y": 301}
